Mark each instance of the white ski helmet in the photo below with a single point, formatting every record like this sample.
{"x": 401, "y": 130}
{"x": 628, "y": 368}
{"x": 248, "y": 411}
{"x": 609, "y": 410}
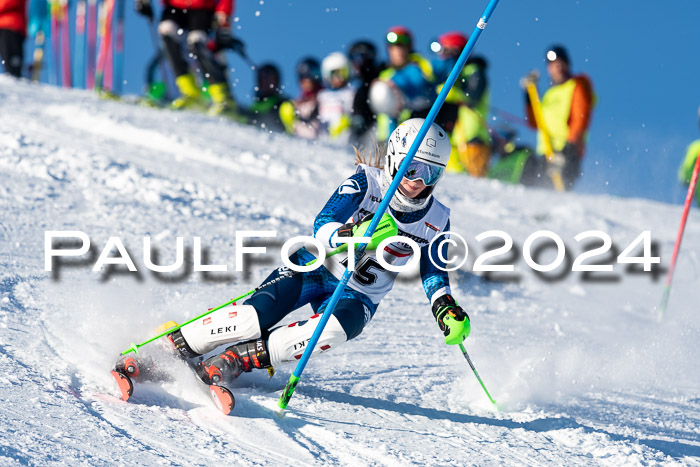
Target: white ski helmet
{"x": 336, "y": 62}
{"x": 427, "y": 165}
{"x": 385, "y": 99}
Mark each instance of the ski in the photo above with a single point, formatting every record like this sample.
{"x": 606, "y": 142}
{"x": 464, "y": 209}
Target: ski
{"x": 130, "y": 369}
{"x": 124, "y": 383}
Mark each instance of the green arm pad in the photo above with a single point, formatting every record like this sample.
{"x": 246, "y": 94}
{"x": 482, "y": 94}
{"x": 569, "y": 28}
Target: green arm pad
{"x": 385, "y": 229}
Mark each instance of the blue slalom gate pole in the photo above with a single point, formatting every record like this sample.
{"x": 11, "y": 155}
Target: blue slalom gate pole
{"x": 461, "y": 61}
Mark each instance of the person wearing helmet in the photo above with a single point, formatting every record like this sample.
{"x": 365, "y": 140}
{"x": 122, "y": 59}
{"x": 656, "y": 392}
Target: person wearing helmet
{"x": 411, "y": 78}
{"x": 250, "y": 331}
{"x": 685, "y": 173}
{"x": 363, "y": 55}
{"x": 264, "y": 111}
{"x": 464, "y": 112}
{"x": 195, "y": 17}
{"x": 335, "y": 101}
{"x": 300, "y": 117}
{"x": 567, "y": 107}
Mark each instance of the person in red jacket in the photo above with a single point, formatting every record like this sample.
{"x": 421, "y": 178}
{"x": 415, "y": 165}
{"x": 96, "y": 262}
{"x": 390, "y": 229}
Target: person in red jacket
{"x": 13, "y": 30}
{"x": 192, "y": 20}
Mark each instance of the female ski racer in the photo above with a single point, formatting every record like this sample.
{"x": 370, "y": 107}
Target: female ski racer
{"x": 251, "y": 327}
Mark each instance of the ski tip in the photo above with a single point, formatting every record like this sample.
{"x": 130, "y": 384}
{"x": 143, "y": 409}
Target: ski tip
{"x": 126, "y": 387}
{"x": 222, "y": 398}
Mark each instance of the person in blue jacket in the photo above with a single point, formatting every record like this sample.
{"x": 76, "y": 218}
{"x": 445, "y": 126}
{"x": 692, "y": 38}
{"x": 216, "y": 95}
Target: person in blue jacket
{"x": 410, "y": 75}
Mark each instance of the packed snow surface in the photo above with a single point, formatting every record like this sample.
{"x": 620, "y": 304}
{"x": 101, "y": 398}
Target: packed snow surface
{"x": 581, "y": 367}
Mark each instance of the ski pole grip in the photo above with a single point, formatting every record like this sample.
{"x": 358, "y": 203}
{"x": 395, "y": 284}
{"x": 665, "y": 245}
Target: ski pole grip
{"x": 288, "y": 391}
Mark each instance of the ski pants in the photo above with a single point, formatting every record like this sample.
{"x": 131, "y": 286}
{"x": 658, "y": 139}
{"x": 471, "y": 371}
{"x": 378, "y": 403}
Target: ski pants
{"x": 353, "y": 311}
{"x": 11, "y": 51}
{"x": 197, "y": 23}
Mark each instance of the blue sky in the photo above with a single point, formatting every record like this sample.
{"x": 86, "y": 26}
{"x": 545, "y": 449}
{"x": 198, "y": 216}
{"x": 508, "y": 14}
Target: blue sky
{"x": 641, "y": 56}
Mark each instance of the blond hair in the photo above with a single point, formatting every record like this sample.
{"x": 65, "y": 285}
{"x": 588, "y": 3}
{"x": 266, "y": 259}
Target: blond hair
{"x": 374, "y": 158}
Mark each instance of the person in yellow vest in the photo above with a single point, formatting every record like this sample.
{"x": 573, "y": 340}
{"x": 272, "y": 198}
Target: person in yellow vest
{"x": 686, "y": 171}
{"x": 567, "y": 108}
{"x": 463, "y": 114}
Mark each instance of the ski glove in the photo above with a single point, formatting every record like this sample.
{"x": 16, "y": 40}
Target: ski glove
{"x": 225, "y": 40}
{"x": 143, "y": 7}
{"x": 349, "y": 229}
{"x": 452, "y": 319}
{"x": 531, "y": 77}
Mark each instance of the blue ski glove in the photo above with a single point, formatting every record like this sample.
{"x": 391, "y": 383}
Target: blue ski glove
{"x": 452, "y": 319}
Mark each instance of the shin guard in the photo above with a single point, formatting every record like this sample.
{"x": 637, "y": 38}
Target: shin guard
{"x": 224, "y": 326}
{"x": 287, "y": 344}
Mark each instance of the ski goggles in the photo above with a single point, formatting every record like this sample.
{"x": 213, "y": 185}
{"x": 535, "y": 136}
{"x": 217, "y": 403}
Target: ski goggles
{"x": 398, "y": 38}
{"x": 341, "y": 73}
{"x": 428, "y": 174}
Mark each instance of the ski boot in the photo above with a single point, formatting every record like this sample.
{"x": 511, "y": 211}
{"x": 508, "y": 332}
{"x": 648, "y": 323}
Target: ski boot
{"x": 128, "y": 368}
{"x": 191, "y": 97}
{"x": 224, "y": 368}
{"x": 141, "y": 368}
{"x": 223, "y": 104}
{"x": 222, "y": 397}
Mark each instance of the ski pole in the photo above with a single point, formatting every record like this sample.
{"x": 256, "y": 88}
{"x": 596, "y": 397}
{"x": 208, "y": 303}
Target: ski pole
{"x": 461, "y": 61}
{"x": 466, "y": 355}
{"x": 510, "y": 117}
{"x": 289, "y": 273}
{"x": 679, "y": 236}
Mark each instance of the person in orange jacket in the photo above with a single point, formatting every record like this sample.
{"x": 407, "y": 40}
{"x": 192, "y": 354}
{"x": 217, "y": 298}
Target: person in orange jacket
{"x": 566, "y": 109}
{"x": 13, "y": 30}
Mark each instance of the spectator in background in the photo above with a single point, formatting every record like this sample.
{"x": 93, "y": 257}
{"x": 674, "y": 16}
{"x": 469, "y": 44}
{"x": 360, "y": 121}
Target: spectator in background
{"x": 464, "y": 112}
{"x": 566, "y": 109}
{"x": 686, "y": 171}
{"x": 264, "y": 111}
{"x": 13, "y": 30}
{"x": 411, "y": 77}
{"x": 196, "y": 18}
{"x": 300, "y": 117}
{"x": 363, "y": 55}
{"x": 335, "y": 101}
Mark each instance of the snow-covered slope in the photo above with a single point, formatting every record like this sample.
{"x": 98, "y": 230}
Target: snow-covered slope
{"x": 583, "y": 371}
